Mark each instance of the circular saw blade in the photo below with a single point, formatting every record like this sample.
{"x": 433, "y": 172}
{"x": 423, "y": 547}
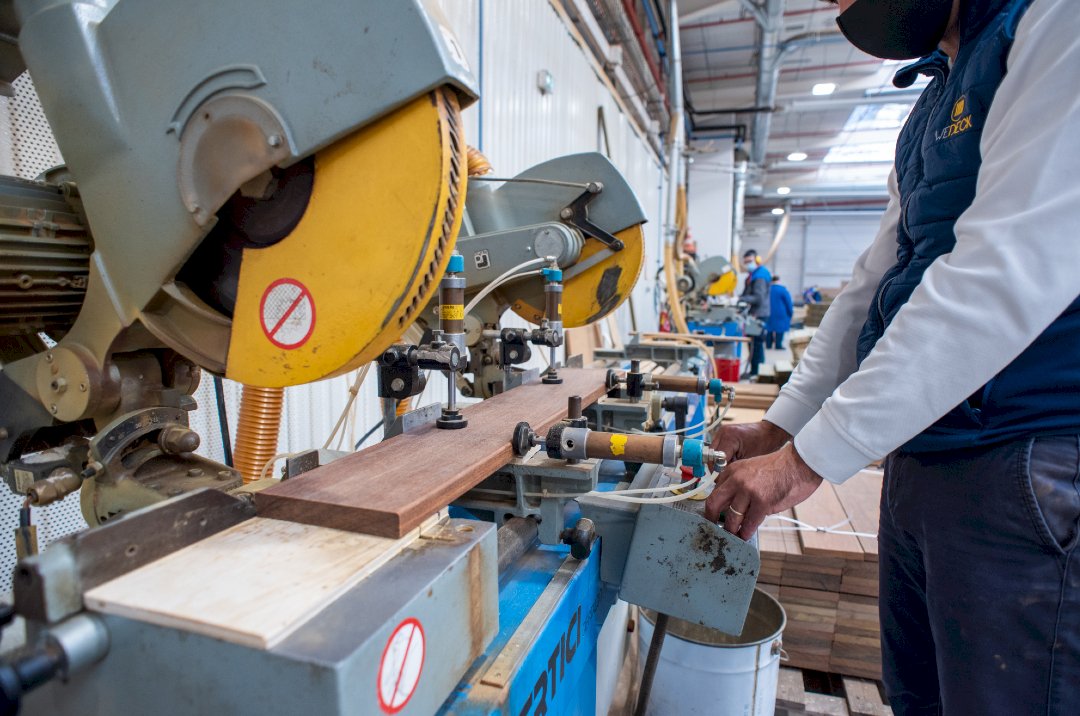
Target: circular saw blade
{"x": 364, "y": 258}
{"x": 592, "y": 294}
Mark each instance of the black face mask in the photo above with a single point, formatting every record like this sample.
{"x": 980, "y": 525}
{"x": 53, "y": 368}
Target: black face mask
{"x": 896, "y": 29}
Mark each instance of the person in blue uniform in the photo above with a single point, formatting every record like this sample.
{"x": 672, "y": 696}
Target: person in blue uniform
{"x": 781, "y": 309}
{"x": 756, "y": 295}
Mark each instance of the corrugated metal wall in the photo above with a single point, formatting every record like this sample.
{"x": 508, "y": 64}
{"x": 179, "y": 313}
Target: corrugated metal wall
{"x": 507, "y": 42}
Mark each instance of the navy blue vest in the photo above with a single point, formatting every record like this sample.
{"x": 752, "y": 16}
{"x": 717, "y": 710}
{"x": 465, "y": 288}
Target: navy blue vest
{"x": 937, "y": 165}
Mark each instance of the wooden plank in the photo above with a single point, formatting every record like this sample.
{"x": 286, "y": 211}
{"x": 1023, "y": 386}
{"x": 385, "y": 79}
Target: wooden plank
{"x": 736, "y": 416}
{"x": 390, "y": 488}
{"x": 760, "y": 390}
{"x": 790, "y": 692}
{"x": 792, "y": 546}
{"x": 582, "y": 341}
{"x": 822, "y": 705}
{"x": 861, "y": 499}
{"x": 252, "y": 584}
{"x": 823, "y": 509}
{"x": 864, "y": 699}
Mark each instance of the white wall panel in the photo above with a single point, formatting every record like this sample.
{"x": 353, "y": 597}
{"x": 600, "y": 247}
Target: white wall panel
{"x": 819, "y": 249}
{"x": 710, "y": 196}
{"x": 833, "y": 244}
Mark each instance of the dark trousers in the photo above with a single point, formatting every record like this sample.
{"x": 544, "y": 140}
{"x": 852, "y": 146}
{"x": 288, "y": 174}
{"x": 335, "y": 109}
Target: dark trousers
{"x": 757, "y": 353}
{"x": 980, "y": 580}
{"x": 774, "y": 339}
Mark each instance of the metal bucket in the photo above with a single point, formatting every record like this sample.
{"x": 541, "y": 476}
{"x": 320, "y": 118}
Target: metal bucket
{"x": 704, "y": 671}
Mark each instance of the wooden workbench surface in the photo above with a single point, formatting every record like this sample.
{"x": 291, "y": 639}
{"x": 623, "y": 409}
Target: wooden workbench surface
{"x": 390, "y": 488}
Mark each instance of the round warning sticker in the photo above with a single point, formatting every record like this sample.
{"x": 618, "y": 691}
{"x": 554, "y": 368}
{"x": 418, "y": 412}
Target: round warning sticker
{"x": 400, "y": 667}
{"x": 287, "y": 312}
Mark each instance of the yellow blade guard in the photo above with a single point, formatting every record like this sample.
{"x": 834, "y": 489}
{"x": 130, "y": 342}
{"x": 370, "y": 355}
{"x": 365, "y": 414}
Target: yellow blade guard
{"x": 367, "y": 255}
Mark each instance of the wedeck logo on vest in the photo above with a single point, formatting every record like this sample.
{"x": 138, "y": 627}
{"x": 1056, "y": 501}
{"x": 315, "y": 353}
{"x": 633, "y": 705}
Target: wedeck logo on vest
{"x": 960, "y": 122}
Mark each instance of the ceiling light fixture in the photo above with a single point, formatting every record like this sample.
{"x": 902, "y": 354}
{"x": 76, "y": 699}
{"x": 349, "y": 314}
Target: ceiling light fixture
{"x": 783, "y": 190}
{"x": 797, "y": 157}
{"x": 823, "y": 89}
{"x": 778, "y": 211}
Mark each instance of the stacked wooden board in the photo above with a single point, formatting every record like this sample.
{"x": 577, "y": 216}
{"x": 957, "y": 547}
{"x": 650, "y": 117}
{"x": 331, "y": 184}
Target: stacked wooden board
{"x": 815, "y": 694}
{"x": 815, "y": 312}
{"x": 777, "y": 374}
{"x": 828, "y": 582}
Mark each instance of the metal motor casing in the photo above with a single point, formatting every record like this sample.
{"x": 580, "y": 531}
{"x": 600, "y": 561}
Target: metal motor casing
{"x": 44, "y": 259}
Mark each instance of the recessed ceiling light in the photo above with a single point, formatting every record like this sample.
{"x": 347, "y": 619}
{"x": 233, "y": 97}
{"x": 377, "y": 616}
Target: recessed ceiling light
{"x": 783, "y": 190}
{"x": 797, "y": 157}
{"x": 778, "y": 211}
{"x": 821, "y": 89}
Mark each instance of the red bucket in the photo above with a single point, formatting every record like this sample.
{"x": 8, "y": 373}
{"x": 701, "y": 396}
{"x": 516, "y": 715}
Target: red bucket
{"x": 727, "y": 369}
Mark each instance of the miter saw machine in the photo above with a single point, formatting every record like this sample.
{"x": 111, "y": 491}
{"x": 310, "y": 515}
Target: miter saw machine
{"x": 708, "y": 289}
{"x": 276, "y": 213}
{"x": 272, "y": 214}
{"x": 279, "y": 213}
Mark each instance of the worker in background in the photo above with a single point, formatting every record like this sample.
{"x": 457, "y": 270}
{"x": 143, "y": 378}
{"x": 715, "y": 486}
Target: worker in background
{"x": 955, "y": 352}
{"x": 756, "y": 295}
{"x": 781, "y": 309}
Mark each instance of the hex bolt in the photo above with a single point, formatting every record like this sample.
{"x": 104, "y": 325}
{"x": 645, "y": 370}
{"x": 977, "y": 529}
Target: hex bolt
{"x": 48, "y": 357}
{"x": 195, "y": 472}
{"x": 53, "y": 409}
{"x": 397, "y": 384}
{"x": 224, "y": 475}
{"x": 274, "y": 140}
{"x": 59, "y": 385}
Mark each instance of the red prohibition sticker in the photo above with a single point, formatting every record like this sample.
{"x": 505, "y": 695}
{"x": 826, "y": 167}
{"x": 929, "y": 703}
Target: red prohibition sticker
{"x": 400, "y": 666}
{"x": 287, "y": 313}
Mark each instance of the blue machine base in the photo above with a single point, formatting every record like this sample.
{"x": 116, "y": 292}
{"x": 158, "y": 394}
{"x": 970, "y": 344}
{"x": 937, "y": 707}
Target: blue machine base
{"x": 557, "y": 675}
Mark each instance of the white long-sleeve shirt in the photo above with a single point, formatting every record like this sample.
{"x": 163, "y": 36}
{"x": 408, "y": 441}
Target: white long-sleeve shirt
{"x": 1014, "y": 269}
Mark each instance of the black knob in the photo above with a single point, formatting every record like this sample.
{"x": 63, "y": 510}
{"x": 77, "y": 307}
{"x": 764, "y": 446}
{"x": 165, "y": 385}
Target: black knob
{"x": 524, "y": 439}
{"x": 580, "y": 538}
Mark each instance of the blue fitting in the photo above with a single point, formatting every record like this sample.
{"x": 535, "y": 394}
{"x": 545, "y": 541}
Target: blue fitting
{"x": 457, "y": 263}
{"x": 693, "y": 456}
{"x": 716, "y": 388}
{"x": 552, "y": 274}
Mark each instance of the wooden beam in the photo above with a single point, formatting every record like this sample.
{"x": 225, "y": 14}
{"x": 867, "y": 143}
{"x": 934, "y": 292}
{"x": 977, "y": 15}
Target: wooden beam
{"x": 390, "y": 488}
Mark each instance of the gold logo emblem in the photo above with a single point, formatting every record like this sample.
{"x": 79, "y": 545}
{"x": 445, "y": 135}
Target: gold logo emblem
{"x": 958, "y": 109}
{"x": 960, "y": 120}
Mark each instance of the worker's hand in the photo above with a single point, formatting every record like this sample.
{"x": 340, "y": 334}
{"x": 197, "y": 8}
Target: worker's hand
{"x": 739, "y": 442}
{"x": 752, "y": 489}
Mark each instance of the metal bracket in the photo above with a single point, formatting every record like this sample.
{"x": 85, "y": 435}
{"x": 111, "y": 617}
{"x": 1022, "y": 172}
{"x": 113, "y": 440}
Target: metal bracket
{"x": 414, "y": 419}
{"x": 576, "y": 214}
